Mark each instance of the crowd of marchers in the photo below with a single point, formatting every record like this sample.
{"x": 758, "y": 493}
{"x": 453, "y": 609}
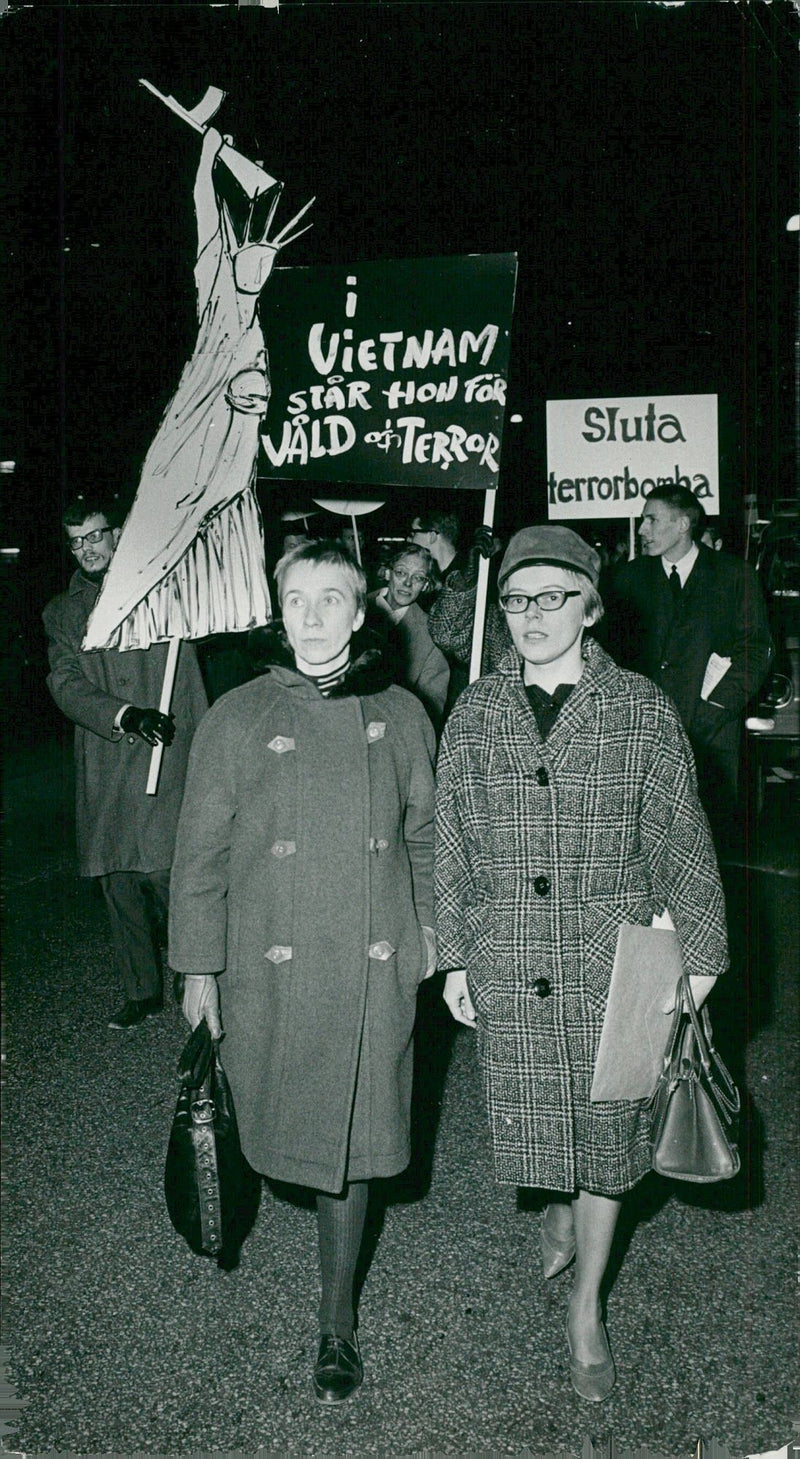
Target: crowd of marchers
{"x": 355, "y": 816}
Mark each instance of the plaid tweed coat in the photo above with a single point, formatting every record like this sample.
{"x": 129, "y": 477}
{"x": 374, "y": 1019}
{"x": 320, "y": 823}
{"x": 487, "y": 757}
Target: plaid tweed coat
{"x": 542, "y": 849}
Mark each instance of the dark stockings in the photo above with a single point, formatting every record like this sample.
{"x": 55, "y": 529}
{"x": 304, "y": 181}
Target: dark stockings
{"x": 340, "y": 1222}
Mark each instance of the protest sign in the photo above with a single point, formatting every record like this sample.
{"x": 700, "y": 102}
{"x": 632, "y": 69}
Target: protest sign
{"x": 389, "y": 373}
{"x": 605, "y": 456}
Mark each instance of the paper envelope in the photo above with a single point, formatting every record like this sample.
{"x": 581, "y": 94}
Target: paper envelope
{"x": 633, "y": 1041}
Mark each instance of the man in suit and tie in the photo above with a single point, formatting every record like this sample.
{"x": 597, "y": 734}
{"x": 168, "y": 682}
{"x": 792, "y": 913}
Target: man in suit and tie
{"x": 694, "y": 622}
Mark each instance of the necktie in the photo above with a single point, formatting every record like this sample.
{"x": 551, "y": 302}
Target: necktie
{"x": 675, "y": 586}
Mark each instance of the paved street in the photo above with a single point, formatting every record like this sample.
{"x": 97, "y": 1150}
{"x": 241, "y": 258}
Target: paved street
{"x": 121, "y": 1341}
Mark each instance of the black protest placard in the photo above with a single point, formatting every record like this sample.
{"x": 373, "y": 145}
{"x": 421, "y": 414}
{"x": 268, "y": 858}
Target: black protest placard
{"x": 389, "y": 373}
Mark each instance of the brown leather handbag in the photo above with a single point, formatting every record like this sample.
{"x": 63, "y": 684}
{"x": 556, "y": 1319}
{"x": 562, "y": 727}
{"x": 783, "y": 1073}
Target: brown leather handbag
{"x": 695, "y": 1106}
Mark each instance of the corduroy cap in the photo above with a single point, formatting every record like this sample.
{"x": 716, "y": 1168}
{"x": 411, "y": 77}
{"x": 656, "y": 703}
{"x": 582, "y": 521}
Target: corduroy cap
{"x": 558, "y": 545}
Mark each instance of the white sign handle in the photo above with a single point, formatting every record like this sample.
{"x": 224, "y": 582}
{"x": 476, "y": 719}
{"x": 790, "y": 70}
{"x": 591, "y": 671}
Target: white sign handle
{"x": 164, "y": 707}
{"x": 482, "y": 593}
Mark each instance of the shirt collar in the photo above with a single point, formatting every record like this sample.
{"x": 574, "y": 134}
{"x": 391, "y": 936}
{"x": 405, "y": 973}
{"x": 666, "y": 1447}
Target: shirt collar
{"x": 684, "y": 564}
{"x": 394, "y": 613}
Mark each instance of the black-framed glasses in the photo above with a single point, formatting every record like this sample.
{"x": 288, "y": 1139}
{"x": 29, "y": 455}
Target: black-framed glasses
{"x": 76, "y": 543}
{"x": 549, "y": 601}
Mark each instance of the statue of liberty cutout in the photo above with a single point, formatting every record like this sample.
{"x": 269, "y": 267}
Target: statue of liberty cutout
{"x": 190, "y": 560}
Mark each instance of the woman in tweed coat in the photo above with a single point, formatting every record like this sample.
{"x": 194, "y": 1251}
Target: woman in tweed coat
{"x": 566, "y": 804}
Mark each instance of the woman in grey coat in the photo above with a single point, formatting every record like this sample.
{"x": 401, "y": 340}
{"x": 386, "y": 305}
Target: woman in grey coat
{"x": 303, "y": 881}
{"x": 566, "y": 805}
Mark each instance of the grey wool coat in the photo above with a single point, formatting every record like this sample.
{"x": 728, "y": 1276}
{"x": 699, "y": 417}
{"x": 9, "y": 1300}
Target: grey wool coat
{"x": 119, "y": 827}
{"x": 303, "y": 875}
{"x": 543, "y": 849}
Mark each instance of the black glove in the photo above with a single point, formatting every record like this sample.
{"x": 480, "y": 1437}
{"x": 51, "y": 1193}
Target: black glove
{"x": 484, "y": 544}
{"x": 150, "y": 725}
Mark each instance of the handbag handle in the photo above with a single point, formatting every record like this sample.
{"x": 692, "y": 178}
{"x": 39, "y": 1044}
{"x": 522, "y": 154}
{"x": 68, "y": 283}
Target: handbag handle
{"x": 195, "y": 1058}
{"x": 688, "y": 1004}
{"x": 713, "y": 1068}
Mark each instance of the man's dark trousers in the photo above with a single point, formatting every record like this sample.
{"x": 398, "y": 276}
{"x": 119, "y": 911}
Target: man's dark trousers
{"x": 137, "y": 903}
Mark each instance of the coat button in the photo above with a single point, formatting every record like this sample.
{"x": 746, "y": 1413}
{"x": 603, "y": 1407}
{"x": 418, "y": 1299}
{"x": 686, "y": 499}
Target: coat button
{"x": 542, "y": 776}
{"x": 541, "y": 987}
{"x": 541, "y": 886}
{"x": 382, "y": 951}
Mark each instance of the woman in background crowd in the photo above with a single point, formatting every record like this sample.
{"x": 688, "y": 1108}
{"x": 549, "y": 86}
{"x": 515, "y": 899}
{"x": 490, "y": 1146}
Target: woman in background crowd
{"x": 397, "y": 614}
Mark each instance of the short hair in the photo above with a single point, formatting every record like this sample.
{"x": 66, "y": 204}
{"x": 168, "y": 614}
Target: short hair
{"x": 592, "y": 602}
{"x": 445, "y": 523}
{"x": 413, "y": 549}
{"x": 82, "y": 507}
{"x": 682, "y": 500}
{"x": 325, "y": 552}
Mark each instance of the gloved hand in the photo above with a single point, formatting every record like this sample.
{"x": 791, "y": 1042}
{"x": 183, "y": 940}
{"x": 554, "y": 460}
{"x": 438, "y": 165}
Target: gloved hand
{"x": 484, "y": 544}
{"x": 150, "y": 725}
{"x": 201, "y": 1001}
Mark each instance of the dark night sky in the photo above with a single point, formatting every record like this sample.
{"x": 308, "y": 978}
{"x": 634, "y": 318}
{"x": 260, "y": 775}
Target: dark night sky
{"x": 640, "y": 160}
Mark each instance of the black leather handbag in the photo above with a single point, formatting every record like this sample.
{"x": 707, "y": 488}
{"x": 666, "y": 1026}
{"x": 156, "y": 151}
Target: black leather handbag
{"x": 694, "y": 1108}
{"x": 206, "y": 1177}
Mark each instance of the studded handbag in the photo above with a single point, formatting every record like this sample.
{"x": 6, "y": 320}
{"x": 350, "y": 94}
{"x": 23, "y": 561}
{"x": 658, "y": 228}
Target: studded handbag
{"x": 694, "y": 1109}
{"x": 207, "y": 1182}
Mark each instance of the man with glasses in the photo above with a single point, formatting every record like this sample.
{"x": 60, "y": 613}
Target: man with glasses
{"x": 125, "y": 837}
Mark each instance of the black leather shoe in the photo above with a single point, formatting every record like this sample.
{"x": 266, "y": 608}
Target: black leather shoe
{"x": 337, "y": 1371}
{"x": 135, "y": 1012}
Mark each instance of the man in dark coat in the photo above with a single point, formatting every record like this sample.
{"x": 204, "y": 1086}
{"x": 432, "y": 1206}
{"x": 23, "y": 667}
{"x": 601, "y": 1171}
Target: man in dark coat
{"x": 303, "y": 878}
{"x": 566, "y": 805}
{"x": 694, "y": 621}
{"x": 125, "y": 837}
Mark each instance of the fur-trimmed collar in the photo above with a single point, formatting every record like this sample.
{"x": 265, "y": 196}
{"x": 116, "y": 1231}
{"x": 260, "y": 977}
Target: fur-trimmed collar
{"x": 367, "y": 673}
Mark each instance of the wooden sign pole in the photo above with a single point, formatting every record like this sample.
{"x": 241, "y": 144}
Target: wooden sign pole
{"x": 482, "y": 593}
{"x": 164, "y": 707}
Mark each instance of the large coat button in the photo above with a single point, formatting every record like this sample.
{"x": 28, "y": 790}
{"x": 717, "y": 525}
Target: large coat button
{"x": 542, "y": 776}
{"x": 279, "y": 954}
{"x": 281, "y": 744}
{"x": 542, "y": 987}
{"x": 541, "y": 886}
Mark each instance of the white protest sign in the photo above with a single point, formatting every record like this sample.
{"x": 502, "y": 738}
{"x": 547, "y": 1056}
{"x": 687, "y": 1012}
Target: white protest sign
{"x": 605, "y": 456}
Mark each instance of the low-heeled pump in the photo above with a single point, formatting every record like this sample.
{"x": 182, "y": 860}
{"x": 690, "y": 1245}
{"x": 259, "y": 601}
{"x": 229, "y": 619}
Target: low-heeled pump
{"x": 555, "y": 1255}
{"x": 592, "y": 1381}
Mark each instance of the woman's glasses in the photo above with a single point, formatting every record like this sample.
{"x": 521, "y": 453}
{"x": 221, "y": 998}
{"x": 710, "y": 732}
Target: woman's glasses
{"x": 549, "y": 601}
{"x": 410, "y": 580}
